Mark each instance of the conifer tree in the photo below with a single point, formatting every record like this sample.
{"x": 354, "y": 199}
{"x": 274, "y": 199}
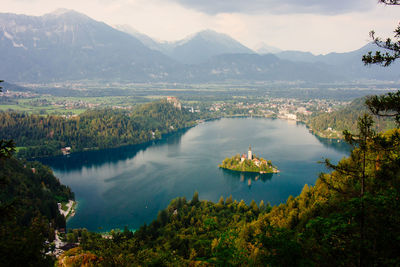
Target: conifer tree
{"x": 7, "y": 147}
{"x": 385, "y": 105}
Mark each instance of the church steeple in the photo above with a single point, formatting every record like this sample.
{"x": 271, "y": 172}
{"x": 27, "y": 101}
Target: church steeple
{"x": 249, "y": 154}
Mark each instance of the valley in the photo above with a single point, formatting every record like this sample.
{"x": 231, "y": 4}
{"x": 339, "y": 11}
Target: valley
{"x": 129, "y": 130}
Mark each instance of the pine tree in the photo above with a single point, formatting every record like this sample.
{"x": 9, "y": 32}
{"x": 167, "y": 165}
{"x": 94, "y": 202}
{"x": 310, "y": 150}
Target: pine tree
{"x": 385, "y": 105}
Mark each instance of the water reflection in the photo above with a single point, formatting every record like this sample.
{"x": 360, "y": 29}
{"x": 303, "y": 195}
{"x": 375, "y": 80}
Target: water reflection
{"x": 337, "y": 144}
{"x": 247, "y": 176}
{"x": 88, "y": 159}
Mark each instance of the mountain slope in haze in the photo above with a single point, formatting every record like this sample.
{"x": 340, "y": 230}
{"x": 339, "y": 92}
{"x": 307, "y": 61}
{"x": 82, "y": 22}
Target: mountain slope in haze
{"x": 254, "y": 67}
{"x": 348, "y": 63}
{"x": 67, "y": 45}
{"x": 194, "y": 49}
{"x": 264, "y": 48}
{"x": 146, "y": 40}
{"x": 204, "y": 45}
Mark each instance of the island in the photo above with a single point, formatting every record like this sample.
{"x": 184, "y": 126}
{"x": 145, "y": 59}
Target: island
{"x": 251, "y": 163}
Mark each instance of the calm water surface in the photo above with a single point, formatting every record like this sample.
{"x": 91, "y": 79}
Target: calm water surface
{"x": 129, "y": 185}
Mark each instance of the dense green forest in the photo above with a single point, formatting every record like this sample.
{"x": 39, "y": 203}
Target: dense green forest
{"x": 350, "y": 217}
{"x": 94, "y": 129}
{"x": 29, "y": 213}
{"x": 331, "y": 125}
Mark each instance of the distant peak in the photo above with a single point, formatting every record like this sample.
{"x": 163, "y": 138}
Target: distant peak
{"x": 64, "y": 11}
{"x": 206, "y": 34}
{"x": 61, "y": 11}
{"x": 209, "y": 32}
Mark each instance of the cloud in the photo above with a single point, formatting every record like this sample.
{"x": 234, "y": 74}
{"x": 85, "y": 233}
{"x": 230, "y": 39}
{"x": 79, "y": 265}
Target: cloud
{"x": 327, "y": 7}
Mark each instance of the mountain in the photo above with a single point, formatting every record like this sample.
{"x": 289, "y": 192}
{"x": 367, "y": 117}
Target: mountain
{"x": 254, "y": 67}
{"x": 194, "y": 49}
{"x": 298, "y": 56}
{"x": 146, "y": 40}
{"x": 204, "y": 45}
{"x": 67, "y": 45}
{"x": 348, "y": 63}
{"x": 264, "y": 48}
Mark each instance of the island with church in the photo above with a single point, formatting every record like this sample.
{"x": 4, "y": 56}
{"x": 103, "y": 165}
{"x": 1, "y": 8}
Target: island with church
{"x": 251, "y": 163}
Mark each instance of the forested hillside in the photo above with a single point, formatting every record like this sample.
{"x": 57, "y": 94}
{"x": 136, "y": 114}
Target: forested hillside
{"x": 351, "y": 217}
{"x": 29, "y": 213}
{"x": 331, "y": 125}
{"x": 94, "y": 129}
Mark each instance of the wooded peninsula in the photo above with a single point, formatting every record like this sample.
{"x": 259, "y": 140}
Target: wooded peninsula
{"x": 41, "y": 136}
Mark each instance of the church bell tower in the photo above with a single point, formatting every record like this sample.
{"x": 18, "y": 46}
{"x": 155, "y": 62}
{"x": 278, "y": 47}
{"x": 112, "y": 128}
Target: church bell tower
{"x": 249, "y": 154}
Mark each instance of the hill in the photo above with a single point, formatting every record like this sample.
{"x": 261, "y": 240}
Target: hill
{"x": 29, "y": 212}
{"x": 39, "y": 136}
{"x": 332, "y": 125}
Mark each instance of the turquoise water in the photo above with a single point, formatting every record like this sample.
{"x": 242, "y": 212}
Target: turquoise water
{"x": 128, "y": 186}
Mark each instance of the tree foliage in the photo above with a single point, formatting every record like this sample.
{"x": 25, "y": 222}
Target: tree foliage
{"x": 391, "y": 46}
{"x": 385, "y": 105}
{"x": 29, "y": 213}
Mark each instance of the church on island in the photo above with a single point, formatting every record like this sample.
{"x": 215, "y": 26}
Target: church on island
{"x": 255, "y": 160}
{"x": 248, "y": 163}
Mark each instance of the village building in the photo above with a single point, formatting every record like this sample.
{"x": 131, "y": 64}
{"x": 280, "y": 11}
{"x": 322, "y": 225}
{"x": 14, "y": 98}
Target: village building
{"x": 66, "y": 150}
{"x": 173, "y": 100}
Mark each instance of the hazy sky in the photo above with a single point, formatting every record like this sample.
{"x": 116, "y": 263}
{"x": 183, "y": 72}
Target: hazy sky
{"x": 318, "y": 26}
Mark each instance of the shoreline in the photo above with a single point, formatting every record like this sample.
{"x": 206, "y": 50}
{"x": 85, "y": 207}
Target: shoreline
{"x": 260, "y": 172}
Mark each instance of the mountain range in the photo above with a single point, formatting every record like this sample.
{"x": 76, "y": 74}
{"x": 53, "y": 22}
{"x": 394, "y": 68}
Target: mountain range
{"x": 67, "y": 45}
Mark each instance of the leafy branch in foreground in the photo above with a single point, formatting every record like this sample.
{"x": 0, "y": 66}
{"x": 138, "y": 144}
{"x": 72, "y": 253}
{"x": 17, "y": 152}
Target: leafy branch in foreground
{"x": 390, "y": 2}
{"x": 384, "y": 58}
{"x": 388, "y": 57}
{"x": 387, "y": 105}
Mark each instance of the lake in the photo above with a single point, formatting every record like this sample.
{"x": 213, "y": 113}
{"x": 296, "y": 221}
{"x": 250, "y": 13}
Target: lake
{"x": 127, "y": 186}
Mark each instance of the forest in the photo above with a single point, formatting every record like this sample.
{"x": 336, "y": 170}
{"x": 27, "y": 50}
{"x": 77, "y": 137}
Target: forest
{"x": 39, "y": 136}
{"x": 29, "y": 213}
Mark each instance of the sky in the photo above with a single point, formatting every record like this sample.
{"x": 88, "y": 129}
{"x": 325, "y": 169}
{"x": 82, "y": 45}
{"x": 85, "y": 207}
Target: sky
{"x": 317, "y": 26}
